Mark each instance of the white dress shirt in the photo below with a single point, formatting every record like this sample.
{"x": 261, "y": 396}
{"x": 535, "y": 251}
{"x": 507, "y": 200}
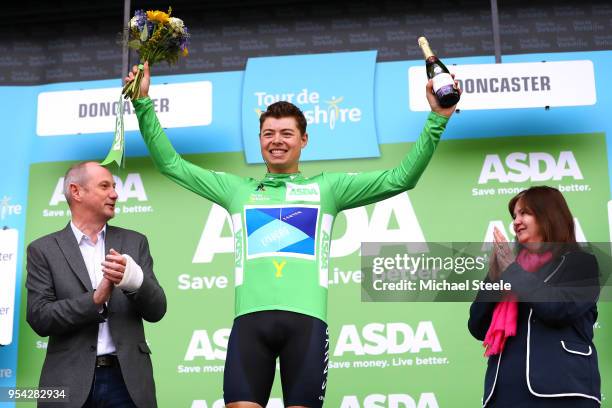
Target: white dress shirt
{"x": 94, "y": 255}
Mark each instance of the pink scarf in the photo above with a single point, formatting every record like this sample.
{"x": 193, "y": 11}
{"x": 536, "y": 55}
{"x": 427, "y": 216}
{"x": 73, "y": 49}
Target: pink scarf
{"x": 503, "y": 323}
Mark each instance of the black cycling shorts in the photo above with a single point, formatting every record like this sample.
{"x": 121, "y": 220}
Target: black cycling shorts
{"x": 257, "y": 339}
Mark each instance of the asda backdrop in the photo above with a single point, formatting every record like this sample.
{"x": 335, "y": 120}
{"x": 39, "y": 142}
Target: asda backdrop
{"x": 537, "y": 118}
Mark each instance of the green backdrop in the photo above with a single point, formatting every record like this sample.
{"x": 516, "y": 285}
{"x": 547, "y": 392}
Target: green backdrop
{"x": 380, "y": 352}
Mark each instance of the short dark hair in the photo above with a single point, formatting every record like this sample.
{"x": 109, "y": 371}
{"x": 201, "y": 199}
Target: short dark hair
{"x": 283, "y": 109}
{"x": 551, "y": 213}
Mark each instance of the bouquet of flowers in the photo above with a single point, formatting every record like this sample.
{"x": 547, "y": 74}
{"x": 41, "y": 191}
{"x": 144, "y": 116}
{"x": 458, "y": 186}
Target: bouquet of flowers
{"x": 157, "y": 37}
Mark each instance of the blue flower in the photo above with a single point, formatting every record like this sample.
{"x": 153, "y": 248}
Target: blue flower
{"x": 141, "y": 18}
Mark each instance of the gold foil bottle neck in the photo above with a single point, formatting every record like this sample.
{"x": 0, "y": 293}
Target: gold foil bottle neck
{"x": 424, "y": 44}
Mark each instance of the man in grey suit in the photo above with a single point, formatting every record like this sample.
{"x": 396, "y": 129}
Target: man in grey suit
{"x": 89, "y": 287}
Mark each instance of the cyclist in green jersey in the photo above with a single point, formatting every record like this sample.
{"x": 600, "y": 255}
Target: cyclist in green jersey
{"x": 282, "y": 227}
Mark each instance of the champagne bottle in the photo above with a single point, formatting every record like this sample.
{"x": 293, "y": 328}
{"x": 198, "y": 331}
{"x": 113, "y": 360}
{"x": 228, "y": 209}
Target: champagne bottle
{"x": 443, "y": 83}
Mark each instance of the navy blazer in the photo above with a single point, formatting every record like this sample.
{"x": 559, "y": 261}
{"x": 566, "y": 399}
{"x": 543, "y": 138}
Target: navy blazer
{"x": 561, "y": 359}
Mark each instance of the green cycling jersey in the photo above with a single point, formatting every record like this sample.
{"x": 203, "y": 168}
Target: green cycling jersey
{"x": 282, "y": 223}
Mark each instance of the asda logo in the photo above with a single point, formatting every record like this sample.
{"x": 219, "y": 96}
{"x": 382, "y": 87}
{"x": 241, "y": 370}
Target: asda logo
{"x": 519, "y": 167}
{"x": 425, "y": 400}
{"x": 391, "y": 338}
{"x": 209, "y": 346}
{"x": 371, "y": 339}
{"x": 305, "y": 192}
{"x": 272, "y": 403}
{"x": 131, "y": 187}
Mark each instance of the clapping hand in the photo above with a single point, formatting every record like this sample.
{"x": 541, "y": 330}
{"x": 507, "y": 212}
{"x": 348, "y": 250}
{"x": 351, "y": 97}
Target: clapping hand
{"x": 502, "y": 250}
{"x": 114, "y": 266}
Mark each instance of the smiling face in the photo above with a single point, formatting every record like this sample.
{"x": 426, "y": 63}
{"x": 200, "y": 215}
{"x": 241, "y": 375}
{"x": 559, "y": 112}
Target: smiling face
{"x": 525, "y": 224}
{"x": 281, "y": 144}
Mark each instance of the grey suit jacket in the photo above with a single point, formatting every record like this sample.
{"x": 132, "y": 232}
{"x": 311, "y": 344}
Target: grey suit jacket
{"x": 60, "y": 305}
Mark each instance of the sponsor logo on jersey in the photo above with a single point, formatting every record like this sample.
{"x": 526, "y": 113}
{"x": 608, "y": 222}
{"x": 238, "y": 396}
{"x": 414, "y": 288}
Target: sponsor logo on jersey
{"x": 303, "y": 192}
{"x": 281, "y": 231}
{"x": 256, "y": 197}
{"x": 278, "y": 266}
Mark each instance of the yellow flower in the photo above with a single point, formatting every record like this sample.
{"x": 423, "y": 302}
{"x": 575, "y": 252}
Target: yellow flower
{"x": 159, "y": 16}
{"x": 185, "y": 52}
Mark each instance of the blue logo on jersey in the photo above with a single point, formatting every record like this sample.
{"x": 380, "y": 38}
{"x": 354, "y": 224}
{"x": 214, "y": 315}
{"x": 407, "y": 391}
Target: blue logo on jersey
{"x": 281, "y": 230}
{"x": 335, "y": 92}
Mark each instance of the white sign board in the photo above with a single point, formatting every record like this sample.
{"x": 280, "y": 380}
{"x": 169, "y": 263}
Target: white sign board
{"x": 8, "y": 274}
{"x": 93, "y": 110}
{"x": 513, "y": 85}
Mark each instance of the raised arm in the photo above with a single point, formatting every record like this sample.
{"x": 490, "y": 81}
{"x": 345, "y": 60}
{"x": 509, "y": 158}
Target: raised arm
{"x": 215, "y": 186}
{"x": 354, "y": 190}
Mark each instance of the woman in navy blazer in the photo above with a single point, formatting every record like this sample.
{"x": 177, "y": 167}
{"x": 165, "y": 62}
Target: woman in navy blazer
{"x": 550, "y": 359}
